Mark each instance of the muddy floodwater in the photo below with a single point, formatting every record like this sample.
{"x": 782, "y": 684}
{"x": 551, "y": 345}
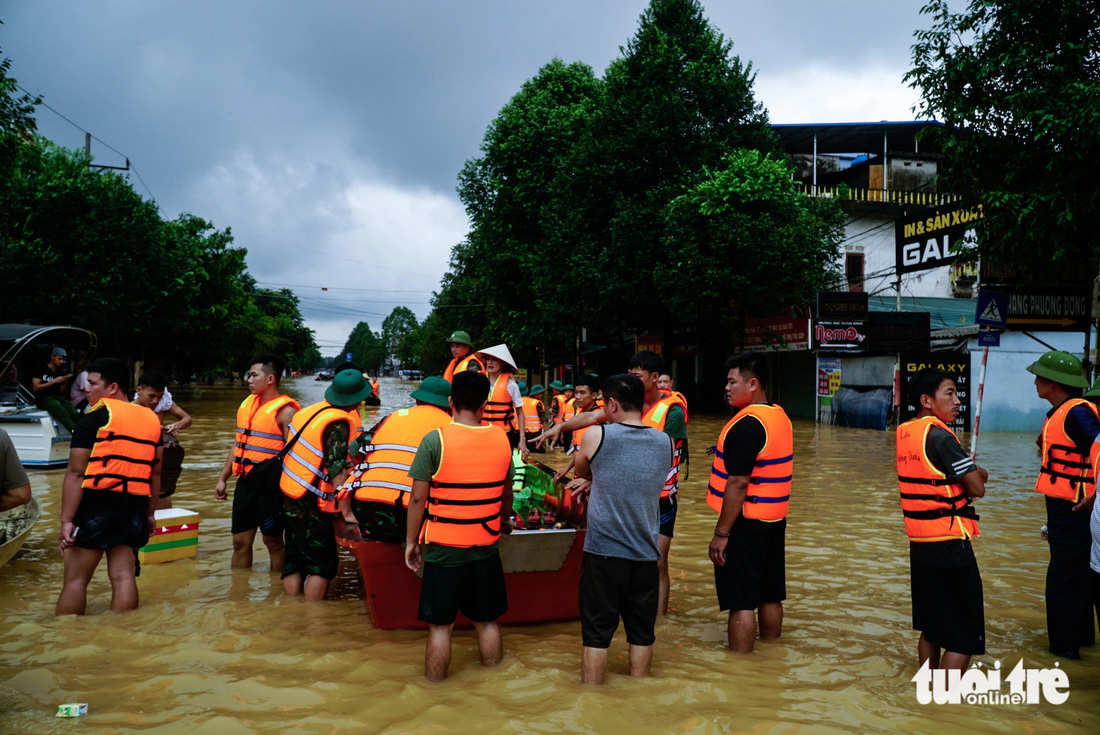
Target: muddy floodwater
{"x": 212, "y": 650}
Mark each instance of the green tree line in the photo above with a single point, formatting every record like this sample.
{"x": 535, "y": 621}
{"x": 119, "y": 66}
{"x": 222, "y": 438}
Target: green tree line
{"x": 81, "y": 247}
{"x": 650, "y": 199}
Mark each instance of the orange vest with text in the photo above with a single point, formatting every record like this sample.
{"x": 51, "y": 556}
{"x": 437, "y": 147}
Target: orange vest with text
{"x": 499, "y": 410}
{"x": 769, "y": 491}
{"x": 125, "y": 449}
{"x": 383, "y": 475}
{"x": 656, "y": 417}
{"x": 259, "y": 436}
{"x": 461, "y": 364}
{"x": 1066, "y": 473}
{"x": 302, "y": 471}
{"x": 934, "y": 507}
{"x": 466, "y": 491}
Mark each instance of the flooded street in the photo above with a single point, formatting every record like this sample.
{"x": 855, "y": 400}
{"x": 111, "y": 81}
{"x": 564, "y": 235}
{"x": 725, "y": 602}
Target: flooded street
{"x": 211, "y": 650}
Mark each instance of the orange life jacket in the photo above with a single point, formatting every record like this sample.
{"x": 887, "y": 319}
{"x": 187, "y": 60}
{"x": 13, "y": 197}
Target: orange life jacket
{"x": 302, "y": 467}
{"x": 465, "y": 495}
{"x": 531, "y": 418}
{"x": 769, "y": 490}
{"x": 125, "y": 449}
{"x": 499, "y": 410}
{"x": 259, "y": 436}
{"x": 374, "y": 387}
{"x": 383, "y": 474}
{"x": 559, "y": 408}
{"x": 461, "y": 364}
{"x": 578, "y": 434}
{"x": 656, "y": 417}
{"x": 1066, "y": 473}
{"x": 929, "y": 501}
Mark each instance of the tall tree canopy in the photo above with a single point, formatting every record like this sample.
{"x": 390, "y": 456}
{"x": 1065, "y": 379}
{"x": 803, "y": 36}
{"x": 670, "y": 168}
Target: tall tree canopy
{"x": 1017, "y": 85}
{"x": 366, "y": 348}
{"x": 571, "y": 201}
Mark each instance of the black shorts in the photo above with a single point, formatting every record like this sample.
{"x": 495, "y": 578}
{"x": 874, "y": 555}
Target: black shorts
{"x": 380, "y": 521}
{"x": 612, "y": 588}
{"x": 310, "y": 539}
{"x": 948, "y": 607}
{"x": 755, "y": 569}
{"x": 668, "y": 516}
{"x": 255, "y": 506}
{"x": 476, "y": 589}
{"x": 106, "y": 519}
{"x": 531, "y": 444}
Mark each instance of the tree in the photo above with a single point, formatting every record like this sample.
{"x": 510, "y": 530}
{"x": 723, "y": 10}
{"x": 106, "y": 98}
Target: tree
{"x": 396, "y": 329}
{"x": 365, "y": 346}
{"x": 746, "y": 239}
{"x": 1017, "y": 85}
{"x": 17, "y": 123}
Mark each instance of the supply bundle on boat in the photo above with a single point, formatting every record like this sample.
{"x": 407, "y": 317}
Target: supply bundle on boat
{"x": 540, "y": 501}
{"x": 542, "y": 565}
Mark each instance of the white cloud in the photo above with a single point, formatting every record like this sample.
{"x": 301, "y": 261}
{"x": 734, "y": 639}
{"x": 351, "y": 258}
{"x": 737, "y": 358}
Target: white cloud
{"x": 820, "y": 93}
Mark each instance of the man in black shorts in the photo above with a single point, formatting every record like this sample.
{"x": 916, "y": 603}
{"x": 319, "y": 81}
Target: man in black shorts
{"x": 621, "y": 468}
{"x": 110, "y": 489}
{"x": 938, "y": 482}
{"x": 750, "y": 488}
{"x": 461, "y": 501}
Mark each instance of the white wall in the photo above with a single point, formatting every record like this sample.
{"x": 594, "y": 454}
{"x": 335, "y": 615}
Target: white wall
{"x": 1009, "y": 401}
{"x": 873, "y": 235}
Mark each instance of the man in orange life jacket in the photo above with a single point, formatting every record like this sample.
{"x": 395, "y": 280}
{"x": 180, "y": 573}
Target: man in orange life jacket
{"x": 587, "y": 391}
{"x": 534, "y": 413}
{"x": 1068, "y": 479}
{"x": 316, "y": 464}
{"x": 666, "y": 414}
{"x": 378, "y": 487}
{"x": 750, "y": 488}
{"x": 463, "y": 357}
{"x": 262, "y": 421}
{"x": 461, "y": 503}
{"x": 110, "y": 489}
{"x": 938, "y": 480}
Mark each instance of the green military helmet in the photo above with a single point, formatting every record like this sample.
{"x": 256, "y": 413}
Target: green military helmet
{"x": 1061, "y": 367}
{"x": 568, "y": 386}
{"x": 1095, "y": 392}
{"x": 557, "y": 385}
{"x": 522, "y": 387}
{"x": 536, "y": 389}
{"x": 461, "y": 338}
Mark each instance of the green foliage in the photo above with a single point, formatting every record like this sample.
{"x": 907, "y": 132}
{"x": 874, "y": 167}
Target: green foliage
{"x": 397, "y": 329}
{"x": 1017, "y": 85}
{"x": 81, "y": 247}
{"x": 366, "y": 347}
{"x": 571, "y": 202}
{"x": 747, "y": 240}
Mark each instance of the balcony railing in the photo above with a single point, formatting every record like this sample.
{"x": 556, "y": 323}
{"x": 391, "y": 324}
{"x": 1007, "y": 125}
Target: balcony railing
{"x": 892, "y": 196}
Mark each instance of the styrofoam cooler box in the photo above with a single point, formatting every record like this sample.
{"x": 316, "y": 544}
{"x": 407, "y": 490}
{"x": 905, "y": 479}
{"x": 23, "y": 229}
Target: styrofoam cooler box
{"x": 176, "y": 537}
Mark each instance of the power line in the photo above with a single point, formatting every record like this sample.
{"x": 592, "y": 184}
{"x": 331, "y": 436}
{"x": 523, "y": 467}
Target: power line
{"x": 343, "y": 288}
{"x": 96, "y": 138}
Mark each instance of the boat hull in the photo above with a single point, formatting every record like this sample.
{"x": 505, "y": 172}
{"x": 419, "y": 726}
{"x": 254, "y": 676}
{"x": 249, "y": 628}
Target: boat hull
{"x": 542, "y": 572}
{"x": 39, "y": 440}
{"x": 16, "y": 525}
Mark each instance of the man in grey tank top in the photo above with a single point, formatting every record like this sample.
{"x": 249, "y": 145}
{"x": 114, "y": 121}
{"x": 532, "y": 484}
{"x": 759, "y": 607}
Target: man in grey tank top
{"x": 620, "y": 468}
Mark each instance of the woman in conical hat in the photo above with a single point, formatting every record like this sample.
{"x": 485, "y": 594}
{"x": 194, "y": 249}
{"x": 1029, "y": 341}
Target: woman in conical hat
{"x": 505, "y": 405}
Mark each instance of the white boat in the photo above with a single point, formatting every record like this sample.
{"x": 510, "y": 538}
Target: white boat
{"x": 39, "y": 440}
{"x": 15, "y": 524}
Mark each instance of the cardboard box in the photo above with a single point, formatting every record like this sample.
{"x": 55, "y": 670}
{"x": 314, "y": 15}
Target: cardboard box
{"x": 176, "y": 537}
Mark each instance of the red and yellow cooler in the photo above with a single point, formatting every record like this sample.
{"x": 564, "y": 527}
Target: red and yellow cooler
{"x": 176, "y": 537}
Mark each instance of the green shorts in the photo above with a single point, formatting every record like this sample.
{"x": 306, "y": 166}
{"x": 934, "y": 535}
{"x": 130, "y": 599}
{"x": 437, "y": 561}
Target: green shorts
{"x": 310, "y": 539}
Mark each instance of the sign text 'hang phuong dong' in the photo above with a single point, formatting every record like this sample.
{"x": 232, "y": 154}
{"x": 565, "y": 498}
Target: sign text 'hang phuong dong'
{"x": 930, "y": 238}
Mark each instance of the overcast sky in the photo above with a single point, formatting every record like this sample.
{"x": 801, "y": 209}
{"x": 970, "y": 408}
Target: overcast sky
{"x": 329, "y": 135}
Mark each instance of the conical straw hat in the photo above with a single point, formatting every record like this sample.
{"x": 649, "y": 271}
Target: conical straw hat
{"x": 501, "y": 353}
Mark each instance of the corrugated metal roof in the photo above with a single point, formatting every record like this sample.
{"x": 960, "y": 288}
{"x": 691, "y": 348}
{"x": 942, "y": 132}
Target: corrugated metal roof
{"x": 946, "y": 313}
{"x": 855, "y": 137}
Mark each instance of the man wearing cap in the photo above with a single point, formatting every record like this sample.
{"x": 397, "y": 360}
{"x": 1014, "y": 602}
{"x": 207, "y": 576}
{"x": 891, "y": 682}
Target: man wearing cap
{"x": 377, "y": 490}
{"x": 1067, "y": 479}
{"x": 316, "y": 464}
{"x": 49, "y": 390}
{"x": 462, "y": 356}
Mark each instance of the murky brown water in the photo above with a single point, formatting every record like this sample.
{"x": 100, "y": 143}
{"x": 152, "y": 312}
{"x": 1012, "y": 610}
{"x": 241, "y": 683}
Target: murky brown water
{"x": 216, "y": 651}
